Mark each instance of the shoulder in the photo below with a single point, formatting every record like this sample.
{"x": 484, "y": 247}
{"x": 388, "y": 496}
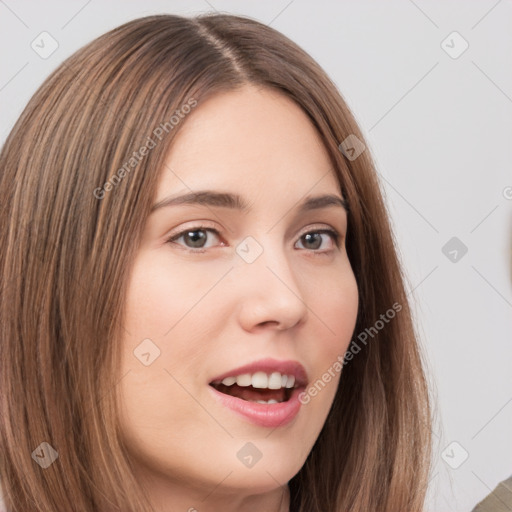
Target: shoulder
{"x": 499, "y": 500}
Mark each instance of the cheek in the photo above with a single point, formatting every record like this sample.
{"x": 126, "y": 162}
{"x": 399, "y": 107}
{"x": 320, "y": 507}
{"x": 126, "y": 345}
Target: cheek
{"x": 155, "y": 348}
{"x": 335, "y": 315}
{"x": 334, "y": 310}
{"x": 344, "y": 300}
{"x": 159, "y": 296}
{"x": 159, "y": 322}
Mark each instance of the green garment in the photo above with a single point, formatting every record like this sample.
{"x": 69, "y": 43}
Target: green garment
{"x": 499, "y": 500}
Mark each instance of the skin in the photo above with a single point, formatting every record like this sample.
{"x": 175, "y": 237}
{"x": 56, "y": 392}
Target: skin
{"x": 211, "y": 312}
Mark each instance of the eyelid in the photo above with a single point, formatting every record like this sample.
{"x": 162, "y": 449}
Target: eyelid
{"x": 316, "y": 227}
{"x": 194, "y": 227}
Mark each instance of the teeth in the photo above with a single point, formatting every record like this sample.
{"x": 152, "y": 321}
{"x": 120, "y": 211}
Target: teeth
{"x": 261, "y": 380}
{"x": 244, "y": 380}
{"x": 274, "y": 381}
{"x": 291, "y": 381}
{"x": 271, "y": 401}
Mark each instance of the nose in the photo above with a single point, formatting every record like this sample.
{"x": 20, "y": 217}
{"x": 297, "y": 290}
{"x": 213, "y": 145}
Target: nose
{"x": 270, "y": 292}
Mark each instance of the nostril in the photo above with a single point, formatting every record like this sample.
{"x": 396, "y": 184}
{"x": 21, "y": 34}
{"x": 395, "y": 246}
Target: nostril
{"x": 268, "y": 322}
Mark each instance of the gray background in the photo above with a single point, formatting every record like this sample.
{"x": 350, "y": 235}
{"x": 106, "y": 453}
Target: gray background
{"x": 439, "y": 128}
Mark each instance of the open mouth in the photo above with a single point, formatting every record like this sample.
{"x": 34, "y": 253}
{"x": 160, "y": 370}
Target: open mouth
{"x": 259, "y": 387}
{"x": 252, "y": 394}
{"x": 274, "y": 384}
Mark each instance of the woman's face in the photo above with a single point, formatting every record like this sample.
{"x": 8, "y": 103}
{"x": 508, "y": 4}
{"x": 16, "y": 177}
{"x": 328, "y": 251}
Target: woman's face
{"x": 234, "y": 287}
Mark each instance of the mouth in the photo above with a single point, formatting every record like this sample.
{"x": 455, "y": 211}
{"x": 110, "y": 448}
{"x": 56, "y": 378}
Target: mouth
{"x": 267, "y": 381}
{"x": 265, "y": 393}
{"x": 253, "y": 394}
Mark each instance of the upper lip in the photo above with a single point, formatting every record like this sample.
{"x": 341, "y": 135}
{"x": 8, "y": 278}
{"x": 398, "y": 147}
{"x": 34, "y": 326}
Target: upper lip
{"x": 268, "y": 366}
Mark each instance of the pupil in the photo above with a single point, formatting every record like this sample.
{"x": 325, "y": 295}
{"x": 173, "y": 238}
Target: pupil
{"x": 196, "y": 239}
{"x": 310, "y": 236}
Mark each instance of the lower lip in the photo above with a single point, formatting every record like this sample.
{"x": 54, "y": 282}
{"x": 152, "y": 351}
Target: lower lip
{"x": 264, "y": 415}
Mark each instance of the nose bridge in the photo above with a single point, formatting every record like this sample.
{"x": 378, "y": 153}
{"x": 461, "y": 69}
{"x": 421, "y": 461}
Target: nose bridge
{"x": 271, "y": 291}
{"x": 267, "y": 254}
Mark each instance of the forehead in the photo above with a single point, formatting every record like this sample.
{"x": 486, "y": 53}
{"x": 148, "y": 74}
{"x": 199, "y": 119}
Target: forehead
{"x": 254, "y": 140}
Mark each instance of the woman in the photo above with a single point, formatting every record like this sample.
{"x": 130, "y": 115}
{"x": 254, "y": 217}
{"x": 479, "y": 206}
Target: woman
{"x": 202, "y": 304}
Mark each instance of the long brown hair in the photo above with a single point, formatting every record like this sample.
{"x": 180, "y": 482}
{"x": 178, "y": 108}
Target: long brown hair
{"x": 70, "y": 225}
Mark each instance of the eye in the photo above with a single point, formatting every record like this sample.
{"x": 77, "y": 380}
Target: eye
{"x": 314, "y": 239}
{"x": 195, "y": 238}
{"x": 196, "y": 235}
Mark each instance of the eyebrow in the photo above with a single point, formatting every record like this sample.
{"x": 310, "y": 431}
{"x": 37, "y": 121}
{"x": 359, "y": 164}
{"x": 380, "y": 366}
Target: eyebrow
{"x": 237, "y": 202}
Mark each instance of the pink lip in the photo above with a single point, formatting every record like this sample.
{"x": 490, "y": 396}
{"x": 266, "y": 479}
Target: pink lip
{"x": 264, "y": 415}
{"x": 269, "y": 365}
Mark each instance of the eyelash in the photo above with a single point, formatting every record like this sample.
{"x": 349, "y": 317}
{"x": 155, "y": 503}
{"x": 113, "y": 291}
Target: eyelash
{"x": 332, "y": 232}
